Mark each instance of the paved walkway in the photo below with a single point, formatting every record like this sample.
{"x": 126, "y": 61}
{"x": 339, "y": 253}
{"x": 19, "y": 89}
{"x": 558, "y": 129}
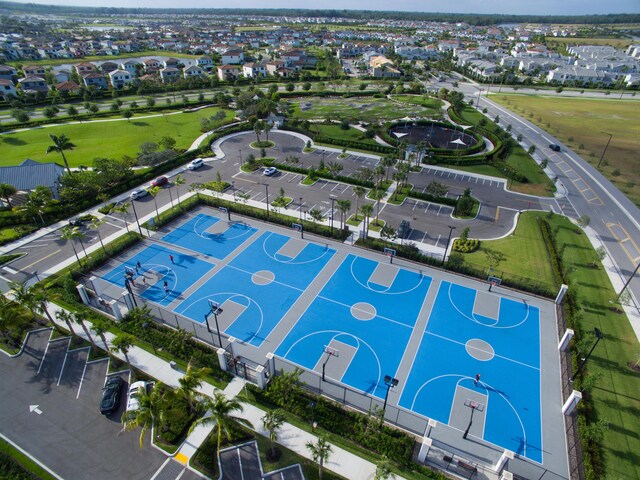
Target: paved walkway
{"x": 341, "y": 462}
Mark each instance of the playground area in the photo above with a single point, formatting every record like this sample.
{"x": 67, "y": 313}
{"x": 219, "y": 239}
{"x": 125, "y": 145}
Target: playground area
{"x": 472, "y": 356}
{"x": 433, "y": 135}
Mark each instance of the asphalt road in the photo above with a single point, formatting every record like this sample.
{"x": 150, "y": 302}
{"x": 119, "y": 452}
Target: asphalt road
{"x": 65, "y": 430}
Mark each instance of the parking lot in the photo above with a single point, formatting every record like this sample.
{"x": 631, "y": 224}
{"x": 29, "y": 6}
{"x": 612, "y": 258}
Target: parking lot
{"x": 51, "y": 396}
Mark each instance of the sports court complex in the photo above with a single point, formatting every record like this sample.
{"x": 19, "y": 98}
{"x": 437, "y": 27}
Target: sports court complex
{"x": 474, "y": 369}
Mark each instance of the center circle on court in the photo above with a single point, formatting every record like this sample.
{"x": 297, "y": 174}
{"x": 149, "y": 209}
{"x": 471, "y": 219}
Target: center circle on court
{"x": 363, "y": 311}
{"x": 263, "y": 277}
{"x": 479, "y": 349}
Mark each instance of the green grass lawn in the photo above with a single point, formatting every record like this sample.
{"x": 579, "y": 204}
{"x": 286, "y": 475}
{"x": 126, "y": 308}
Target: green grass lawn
{"x": 24, "y": 462}
{"x": 580, "y": 123}
{"x": 334, "y": 131}
{"x": 367, "y": 109}
{"x": 103, "y": 139}
{"x": 538, "y": 184}
{"x": 615, "y": 393}
{"x": 424, "y": 101}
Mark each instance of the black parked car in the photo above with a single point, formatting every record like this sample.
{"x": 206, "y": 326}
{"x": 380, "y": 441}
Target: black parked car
{"x": 111, "y": 395}
{"x": 404, "y": 229}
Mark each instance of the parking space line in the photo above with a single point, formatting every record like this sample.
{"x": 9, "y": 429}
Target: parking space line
{"x": 43, "y": 356}
{"x": 437, "y": 241}
{"x": 84, "y": 370}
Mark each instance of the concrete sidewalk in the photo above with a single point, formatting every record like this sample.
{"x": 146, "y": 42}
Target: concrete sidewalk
{"x": 341, "y": 462}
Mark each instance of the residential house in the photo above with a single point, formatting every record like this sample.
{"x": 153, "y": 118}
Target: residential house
{"x": 169, "y": 74}
{"x": 381, "y": 67}
{"x": 96, "y": 80}
{"x": 34, "y": 70}
{"x": 7, "y": 89}
{"x": 171, "y": 63}
{"x": 228, "y": 72}
{"x": 31, "y": 174}
{"x": 193, "y": 71}
{"x": 62, "y": 75}
{"x": 84, "y": 68}
{"x": 67, "y": 87}
{"x": 205, "y": 62}
{"x": 130, "y": 66}
{"x": 233, "y": 57}
{"x": 578, "y": 75}
{"x": 254, "y": 69}
{"x": 8, "y": 73}
{"x": 120, "y": 78}
{"x": 108, "y": 67}
{"x": 33, "y": 84}
{"x": 151, "y": 65}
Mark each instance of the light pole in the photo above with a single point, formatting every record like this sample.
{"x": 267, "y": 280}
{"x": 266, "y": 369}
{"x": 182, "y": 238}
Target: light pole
{"x": 599, "y": 337}
{"x": 135, "y": 214}
{"x": 390, "y": 383}
{"x": 444, "y": 256}
{"x": 313, "y": 404}
{"x": 605, "y": 148}
{"x": 333, "y": 199}
{"x": 266, "y": 187}
{"x": 233, "y": 189}
{"x": 300, "y": 212}
{"x": 241, "y": 162}
{"x": 621, "y": 291}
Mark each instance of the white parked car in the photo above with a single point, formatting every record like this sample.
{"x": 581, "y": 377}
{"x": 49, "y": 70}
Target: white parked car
{"x": 137, "y": 193}
{"x": 135, "y": 390}
{"x": 195, "y": 163}
{"x": 270, "y": 171}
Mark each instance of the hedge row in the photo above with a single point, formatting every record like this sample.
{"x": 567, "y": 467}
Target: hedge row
{"x": 321, "y": 174}
{"x": 364, "y": 430}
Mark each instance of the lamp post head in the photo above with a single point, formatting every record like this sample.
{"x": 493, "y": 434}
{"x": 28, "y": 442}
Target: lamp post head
{"x": 598, "y": 333}
{"x": 387, "y": 379}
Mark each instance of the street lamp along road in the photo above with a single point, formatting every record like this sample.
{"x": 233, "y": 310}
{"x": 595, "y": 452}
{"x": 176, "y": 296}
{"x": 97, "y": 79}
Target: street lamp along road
{"x": 605, "y": 149}
{"x": 599, "y": 336}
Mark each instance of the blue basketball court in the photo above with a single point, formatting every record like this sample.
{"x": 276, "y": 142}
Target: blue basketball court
{"x": 383, "y": 319}
{"x": 459, "y": 343}
{"x": 364, "y": 317}
{"x": 259, "y": 286}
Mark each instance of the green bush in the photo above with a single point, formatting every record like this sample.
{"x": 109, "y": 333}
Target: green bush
{"x": 465, "y": 246}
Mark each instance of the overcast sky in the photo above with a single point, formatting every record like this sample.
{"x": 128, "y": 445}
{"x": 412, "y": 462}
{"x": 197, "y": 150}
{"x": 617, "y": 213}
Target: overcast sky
{"x": 522, "y": 7}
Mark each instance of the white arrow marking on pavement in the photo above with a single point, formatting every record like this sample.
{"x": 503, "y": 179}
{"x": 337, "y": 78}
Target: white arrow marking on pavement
{"x": 34, "y": 408}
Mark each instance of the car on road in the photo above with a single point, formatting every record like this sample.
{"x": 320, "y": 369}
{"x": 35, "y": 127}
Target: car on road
{"x": 404, "y": 229}
{"x": 135, "y": 390}
{"x": 138, "y": 193}
{"x": 554, "y": 147}
{"x": 111, "y": 395}
{"x": 270, "y": 171}
{"x": 195, "y": 163}
{"x": 75, "y": 222}
{"x": 161, "y": 180}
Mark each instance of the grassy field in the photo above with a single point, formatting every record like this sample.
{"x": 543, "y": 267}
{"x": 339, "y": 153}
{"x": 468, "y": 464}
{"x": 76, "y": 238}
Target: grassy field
{"x": 538, "y": 184}
{"x": 103, "y": 139}
{"x": 423, "y": 101}
{"x": 334, "y": 131}
{"x": 619, "y": 43}
{"x": 366, "y": 109}
{"x": 580, "y": 123}
{"x": 615, "y": 393}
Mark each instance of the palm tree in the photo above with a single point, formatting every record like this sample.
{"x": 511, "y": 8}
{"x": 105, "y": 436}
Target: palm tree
{"x": 123, "y": 208}
{"x": 343, "y": 207}
{"x": 179, "y": 180}
{"x": 383, "y": 469}
{"x": 34, "y": 298}
{"x": 267, "y": 128}
{"x": 359, "y": 192}
{"x": 95, "y": 225}
{"x": 153, "y": 191}
{"x": 257, "y": 128}
{"x": 77, "y": 319}
{"x": 6, "y": 191}
{"x": 64, "y": 316}
{"x": 122, "y": 343}
{"x": 147, "y": 413}
{"x": 380, "y": 171}
{"x": 189, "y": 384}
{"x": 220, "y": 409}
{"x": 366, "y": 210}
{"x": 10, "y": 316}
{"x": 320, "y": 452}
{"x": 271, "y": 422}
{"x": 70, "y": 233}
{"x": 387, "y": 162}
{"x": 60, "y": 144}
{"x": 100, "y": 327}
{"x": 316, "y": 215}
{"x": 377, "y": 196}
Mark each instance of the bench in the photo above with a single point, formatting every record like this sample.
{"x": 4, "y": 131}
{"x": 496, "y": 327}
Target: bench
{"x": 472, "y": 469}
